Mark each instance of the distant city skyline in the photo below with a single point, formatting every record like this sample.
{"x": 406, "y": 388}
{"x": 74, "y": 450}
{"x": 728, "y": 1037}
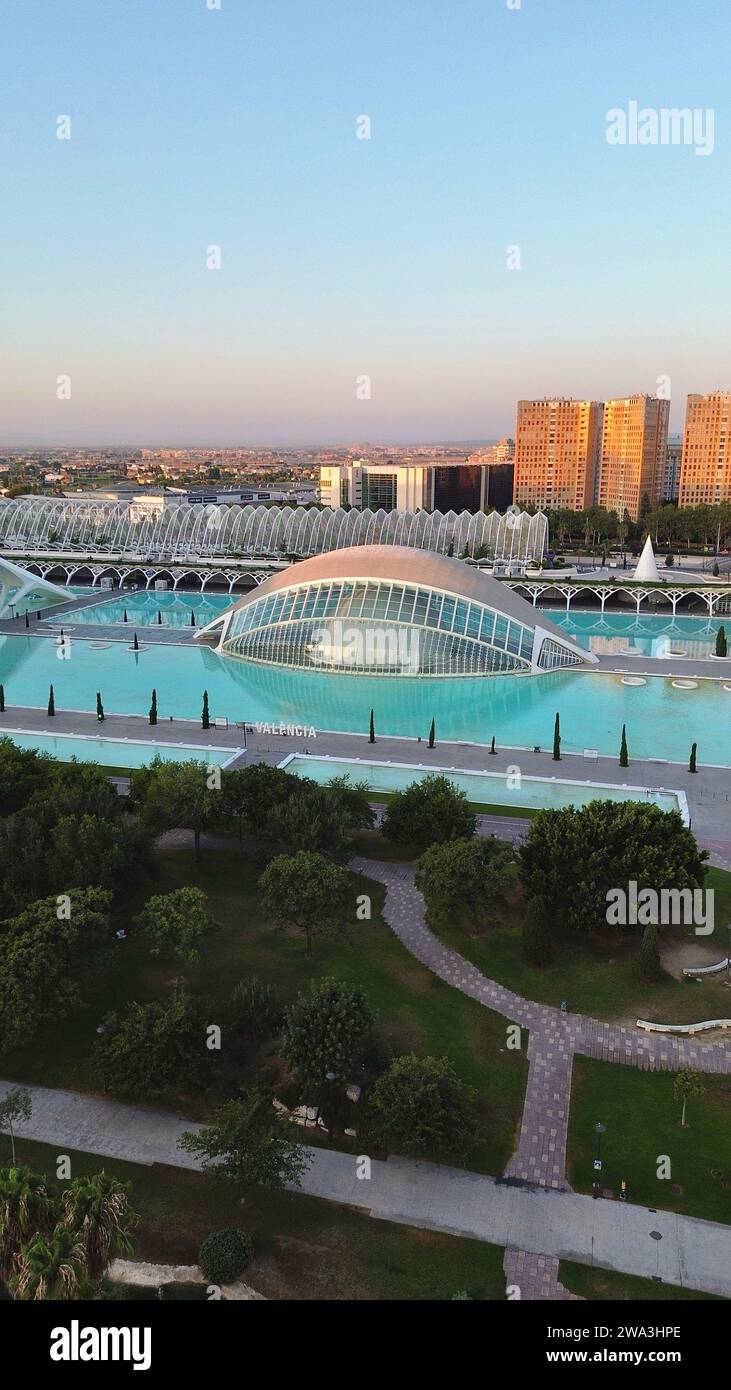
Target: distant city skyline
{"x": 487, "y": 243}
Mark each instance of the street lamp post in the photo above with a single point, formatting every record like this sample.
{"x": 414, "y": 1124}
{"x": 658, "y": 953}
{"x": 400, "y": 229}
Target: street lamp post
{"x": 599, "y": 1130}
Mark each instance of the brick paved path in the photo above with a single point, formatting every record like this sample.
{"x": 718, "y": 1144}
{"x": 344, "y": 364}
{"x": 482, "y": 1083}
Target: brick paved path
{"x": 554, "y": 1037}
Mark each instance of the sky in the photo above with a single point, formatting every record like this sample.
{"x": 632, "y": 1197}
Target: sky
{"x": 364, "y": 292}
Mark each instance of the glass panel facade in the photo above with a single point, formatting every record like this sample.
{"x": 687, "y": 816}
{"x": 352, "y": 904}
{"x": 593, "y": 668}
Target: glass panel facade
{"x": 380, "y": 627}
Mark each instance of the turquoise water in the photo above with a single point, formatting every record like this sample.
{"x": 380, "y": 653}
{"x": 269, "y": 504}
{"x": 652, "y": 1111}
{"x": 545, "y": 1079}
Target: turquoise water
{"x": 647, "y": 633}
{"x": 142, "y": 609}
{"x": 518, "y": 711}
{"x": 534, "y": 793}
{"x": 116, "y": 752}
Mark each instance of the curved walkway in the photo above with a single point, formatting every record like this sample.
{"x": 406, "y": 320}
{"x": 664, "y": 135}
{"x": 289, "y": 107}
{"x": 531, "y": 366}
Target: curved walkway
{"x": 540, "y": 1157}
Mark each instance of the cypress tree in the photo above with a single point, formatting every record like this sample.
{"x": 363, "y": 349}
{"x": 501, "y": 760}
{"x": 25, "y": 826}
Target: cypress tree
{"x": 649, "y": 967}
{"x": 493, "y": 749}
{"x": 205, "y": 716}
{"x": 692, "y": 764}
{"x": 432, "y": 732}
{"x": 153, "y": 708}
{"x": 159, "y": 616}
{"x": 99, "y": 708}
{"x": 721, "y": 643}
{"x": 135, "y": 644}
{"x": 51, "y": 702}
{"x": 125, "y": 619}
{"x": 537, "y": 947}
{"x": 192, "y": 618}
{"x": 2, "y": 699}
{"x": 557, "y": 741}
{"x": 623, "y": 754}
{"x": 372, "y": 730}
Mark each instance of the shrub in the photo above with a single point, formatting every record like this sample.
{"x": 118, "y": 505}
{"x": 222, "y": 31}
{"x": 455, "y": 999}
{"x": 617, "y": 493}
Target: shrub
{"x": 224, "y": 1255}
{"x": 257, "y": 1008}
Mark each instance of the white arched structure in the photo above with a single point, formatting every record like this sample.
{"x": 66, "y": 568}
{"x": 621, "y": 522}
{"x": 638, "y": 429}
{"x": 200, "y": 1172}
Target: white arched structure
{"x": 185, "y": 532}
{"x": 17, "y": 584}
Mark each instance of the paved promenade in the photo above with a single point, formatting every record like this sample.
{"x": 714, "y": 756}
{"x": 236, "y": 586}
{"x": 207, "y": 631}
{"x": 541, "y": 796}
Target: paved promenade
{"x": 543, "y": 1224}
{"x": 540, "y": 1157}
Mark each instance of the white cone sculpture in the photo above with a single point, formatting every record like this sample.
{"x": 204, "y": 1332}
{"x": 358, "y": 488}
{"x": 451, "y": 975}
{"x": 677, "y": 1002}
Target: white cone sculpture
{"x": 647, "y": 570}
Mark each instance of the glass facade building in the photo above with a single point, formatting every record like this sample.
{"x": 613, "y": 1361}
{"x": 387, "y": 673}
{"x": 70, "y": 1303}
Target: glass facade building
{"x": 376, "y": 611}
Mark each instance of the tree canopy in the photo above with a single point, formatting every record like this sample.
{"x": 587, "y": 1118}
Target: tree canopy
{"x": 428, "y": 812}
{"x": 573, "y": 858}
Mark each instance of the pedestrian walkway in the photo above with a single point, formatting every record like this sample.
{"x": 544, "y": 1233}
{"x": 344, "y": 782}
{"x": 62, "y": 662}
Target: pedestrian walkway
{"x": 540, "y": 1157}
{"x": 540, "y": 1224}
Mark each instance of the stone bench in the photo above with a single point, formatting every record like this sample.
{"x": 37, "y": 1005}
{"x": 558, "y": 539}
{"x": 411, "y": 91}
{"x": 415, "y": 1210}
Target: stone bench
{"x": 685, "y": 1028}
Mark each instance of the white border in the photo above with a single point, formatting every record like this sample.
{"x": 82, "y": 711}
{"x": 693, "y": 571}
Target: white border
{"x": 500, "y": 777}
{"x": 126, "y": 742}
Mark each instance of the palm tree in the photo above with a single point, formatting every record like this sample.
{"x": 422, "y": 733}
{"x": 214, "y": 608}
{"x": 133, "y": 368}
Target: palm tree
{"x": 49, "y": 1267}
{"x": 97, "y": 1211}
{"x": 25, "y": 1207}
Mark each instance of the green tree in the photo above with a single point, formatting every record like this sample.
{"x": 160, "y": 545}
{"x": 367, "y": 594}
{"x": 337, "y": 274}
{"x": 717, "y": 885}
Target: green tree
{"x": 537, "y": 942}
{"x": 721, "y": 643}
{"x": 372, "y": 729}
{"x": 319, "y": 819}
{"x": 573, "y": 858}
{"x": 153, "y": 707}
{"x": 177, "y": 796}
{"x": 155, "y": 1047}
{"x": 22, "y": 773}
{"x": 304, "y": 892}
{"x": 50, "y": 1267}
{"x": 251, "y": 793}
{"x": 623, "y": 754}
{"x": 96, "y": 1211}
{"x": 250, "y": 1143}
{"x": 205, "y": 715}
{"x": 46, "y": 958}
{"x": 557, "y": 740}
{"x": 420, "y": 1109}
{"x": 432, "y": 734}
{"x": 465, "y": 881}
{"x": 692, "y": 767}
{"x": 14, "y": 1108}
{"x": 176, "y": 922}
{"x": 428, "y": 812}
{"x": 25, "y": 1208}
{"x": 649, "y": 967}
{"x": 323, "y": 1031}
{"x": 99, "y": 708}
{"x": 51, "y": 702}
{"x": 687, "y": 1085}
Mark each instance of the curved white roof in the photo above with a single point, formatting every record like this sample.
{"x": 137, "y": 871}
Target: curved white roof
{"x": 408, "y": 566}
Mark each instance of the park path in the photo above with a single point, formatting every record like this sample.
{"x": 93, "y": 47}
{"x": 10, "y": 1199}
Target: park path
{"x": 540, "y": 1158}
{"x": 537, "y": 1226}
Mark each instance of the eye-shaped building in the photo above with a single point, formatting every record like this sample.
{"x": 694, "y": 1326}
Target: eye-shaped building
{"x": 392, "y": 611}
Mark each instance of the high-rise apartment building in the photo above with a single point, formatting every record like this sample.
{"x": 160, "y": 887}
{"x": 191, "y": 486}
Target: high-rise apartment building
{"x": 556, "y": 453}
{"x": 671, "y": 483}
{"x": 633, "y": 454}
{"x": 705, "y": 472}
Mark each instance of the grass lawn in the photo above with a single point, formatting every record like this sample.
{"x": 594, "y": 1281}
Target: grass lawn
{"x": 600, "y": 1285}
{"x": 643, "y": 1121}
{"x": 596, "y": 975}
{"x": 304, "y": 1248}
{"x": 416, "y": 1011}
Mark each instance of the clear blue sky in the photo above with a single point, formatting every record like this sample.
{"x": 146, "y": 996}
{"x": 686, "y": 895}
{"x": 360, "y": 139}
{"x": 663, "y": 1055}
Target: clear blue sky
{"x": 344, "y": 257}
